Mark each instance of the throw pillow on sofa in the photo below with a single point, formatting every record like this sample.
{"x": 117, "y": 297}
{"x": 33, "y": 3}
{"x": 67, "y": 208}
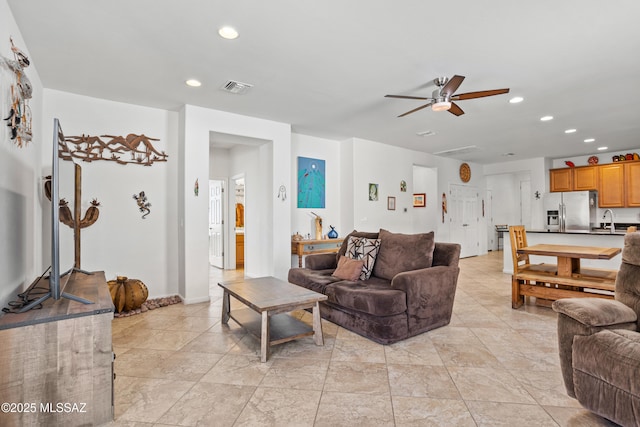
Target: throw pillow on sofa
{"x": 348, "y": 269}
{"x": 361, "y": 248}
{"x": 403, "y": 252}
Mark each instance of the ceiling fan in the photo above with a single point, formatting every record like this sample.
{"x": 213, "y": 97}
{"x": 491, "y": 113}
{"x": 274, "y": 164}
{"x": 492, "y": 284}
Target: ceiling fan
{"x": 442, "y": 98}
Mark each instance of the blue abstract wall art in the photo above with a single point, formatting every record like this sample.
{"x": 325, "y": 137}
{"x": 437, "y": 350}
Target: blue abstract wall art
{"x": 311, "y": 183}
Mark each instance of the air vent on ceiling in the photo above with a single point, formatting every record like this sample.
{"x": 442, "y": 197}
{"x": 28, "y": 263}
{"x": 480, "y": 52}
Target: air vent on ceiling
{"x": 426, "y": 133}
{"x": 236, "y": 87}
{"x": 456, "y": 151}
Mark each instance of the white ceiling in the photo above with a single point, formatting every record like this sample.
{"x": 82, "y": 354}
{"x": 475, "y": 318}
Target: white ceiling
{"x": 325, "y": 66}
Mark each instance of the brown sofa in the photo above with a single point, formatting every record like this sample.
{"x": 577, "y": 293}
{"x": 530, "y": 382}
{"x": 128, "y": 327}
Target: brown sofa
{"x": 411, "y": 289}
{"x": 599, "y": 344}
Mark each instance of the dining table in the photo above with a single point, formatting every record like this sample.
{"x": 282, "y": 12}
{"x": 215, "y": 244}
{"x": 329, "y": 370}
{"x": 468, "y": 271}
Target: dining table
{"x": 569, "y": 256}
{"x": 568, "y": 280}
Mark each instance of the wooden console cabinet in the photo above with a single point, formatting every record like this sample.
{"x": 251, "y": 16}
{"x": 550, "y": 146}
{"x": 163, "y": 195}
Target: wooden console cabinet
{"x": 57, "y": 361}
{"x": 306, "y": 247}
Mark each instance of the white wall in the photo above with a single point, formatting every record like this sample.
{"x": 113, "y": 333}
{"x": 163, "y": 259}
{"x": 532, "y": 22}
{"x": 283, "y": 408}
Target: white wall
{"x": 425, "y": 180}
{"x": 386, "y": 165}
{"x": 505, "y": 191}
{"x": 537, "y": 169}
{"x": 21, "y": 208}
{"x": 121, "y": 242}
{"x": 302, "y": 220}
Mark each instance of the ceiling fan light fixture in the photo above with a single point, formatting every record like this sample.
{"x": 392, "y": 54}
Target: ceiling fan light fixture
{"x": 441, "y": 106}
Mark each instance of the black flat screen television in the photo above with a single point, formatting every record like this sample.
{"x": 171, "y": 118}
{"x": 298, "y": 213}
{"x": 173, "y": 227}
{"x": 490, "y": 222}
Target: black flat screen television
{"x": 62, "y": 236}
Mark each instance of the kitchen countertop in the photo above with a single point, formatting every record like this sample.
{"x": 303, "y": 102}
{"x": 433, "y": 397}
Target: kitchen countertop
{"x": 595, "y": 232}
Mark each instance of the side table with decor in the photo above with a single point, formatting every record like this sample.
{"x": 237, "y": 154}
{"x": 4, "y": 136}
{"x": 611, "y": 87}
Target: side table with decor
{"x": 307, "y": 247}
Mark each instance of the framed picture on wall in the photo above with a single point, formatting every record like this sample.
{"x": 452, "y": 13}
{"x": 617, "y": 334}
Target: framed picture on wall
{"x": 419, "y": 200}
{"x": 373, "y": 192}
{"x": 391, "y": 203}
{"x": 311, "y": 183}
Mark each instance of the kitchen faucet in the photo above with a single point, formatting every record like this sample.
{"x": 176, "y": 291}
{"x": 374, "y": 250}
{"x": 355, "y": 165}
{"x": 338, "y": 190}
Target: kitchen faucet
{"x": 613, "y": 226}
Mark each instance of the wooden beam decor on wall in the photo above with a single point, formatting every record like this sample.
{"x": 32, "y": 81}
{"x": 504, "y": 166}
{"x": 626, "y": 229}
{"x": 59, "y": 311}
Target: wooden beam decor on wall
{"x": 136, "y": 149}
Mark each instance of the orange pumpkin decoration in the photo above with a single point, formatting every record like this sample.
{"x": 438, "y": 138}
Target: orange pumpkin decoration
{"x": 127, "y": 294}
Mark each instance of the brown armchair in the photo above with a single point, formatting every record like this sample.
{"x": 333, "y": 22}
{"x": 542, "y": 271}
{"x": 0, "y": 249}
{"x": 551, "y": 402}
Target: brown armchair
{"x": 599, "y": 344}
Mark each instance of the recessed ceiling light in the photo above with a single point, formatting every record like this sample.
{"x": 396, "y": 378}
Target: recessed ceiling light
{"x": 570, "y": 131}
{"x": 193, "y": 83}
{"x": 602, "y": 148}
{"x": 546, "y": 118}
{"x": 516, "y": 99}
{"x": 228, "y": 33}
{"x": 589, "y": 140}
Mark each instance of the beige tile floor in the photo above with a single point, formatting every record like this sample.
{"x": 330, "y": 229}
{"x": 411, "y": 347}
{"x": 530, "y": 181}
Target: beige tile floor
{"x": 492, "y": 366}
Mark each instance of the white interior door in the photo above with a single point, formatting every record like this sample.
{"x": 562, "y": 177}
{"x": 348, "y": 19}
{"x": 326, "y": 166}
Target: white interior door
{"x": 492, "y": 243}
{"x": 216, "y": 223}
{"x": 464, "y": 219}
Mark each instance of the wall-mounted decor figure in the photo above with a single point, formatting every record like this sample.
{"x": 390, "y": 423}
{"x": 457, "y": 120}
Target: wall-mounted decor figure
{"x": 311, "y": 183}
{"x": 196, "y": 188}
{"x": 18, "y": 113}
{"x": 444, "y": 205}
{"x": 403, "y": 186}
{"x": 143, "y": 205}
{"x": 90, "y": 148}
{"x": 373, "y": 192}
{"x": 282, "y": 193}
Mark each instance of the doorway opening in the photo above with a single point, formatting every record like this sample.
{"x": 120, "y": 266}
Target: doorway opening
{"x": 239, "y": 200}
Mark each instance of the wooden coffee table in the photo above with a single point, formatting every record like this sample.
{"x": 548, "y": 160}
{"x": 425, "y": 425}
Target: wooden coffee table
{"x": 268, "y": 300}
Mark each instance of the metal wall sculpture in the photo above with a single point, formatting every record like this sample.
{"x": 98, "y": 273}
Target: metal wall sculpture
{"x": 17, "y": 115}
{"x": 143, "y": 205}
{"x": 113, "y": 148}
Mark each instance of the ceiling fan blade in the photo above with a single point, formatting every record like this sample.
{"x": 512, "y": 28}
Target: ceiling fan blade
{"x": 416, "y": 109}
{"x": 479, "y": 94}
{"x": 455, "y": 109}
{"x": 451, "y": 86}
{"x": 406, "y": 97}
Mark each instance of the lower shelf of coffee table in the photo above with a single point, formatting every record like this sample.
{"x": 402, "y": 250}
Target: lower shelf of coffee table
{"x": 282, "y": 327}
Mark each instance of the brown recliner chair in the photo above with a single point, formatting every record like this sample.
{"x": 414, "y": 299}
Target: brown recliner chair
{"x": 599, "y": 343}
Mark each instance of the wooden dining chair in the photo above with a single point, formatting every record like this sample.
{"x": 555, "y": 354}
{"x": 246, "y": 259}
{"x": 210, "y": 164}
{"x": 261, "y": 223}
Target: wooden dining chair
{"x": 522, "y": 267}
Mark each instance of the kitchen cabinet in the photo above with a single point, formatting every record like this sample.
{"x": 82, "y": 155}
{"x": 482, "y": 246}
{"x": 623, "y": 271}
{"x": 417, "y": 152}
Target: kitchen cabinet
{"x": 585, "y": 178}
{"x": 239, "y": 250}
{"x": 611, "y": 192}
{"x": 632, "y": 182}
{"x": 561, "y": 179}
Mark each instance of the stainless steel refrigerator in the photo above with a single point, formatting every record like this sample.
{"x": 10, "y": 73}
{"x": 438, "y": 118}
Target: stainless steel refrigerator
{"x": 573, "y": 211}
